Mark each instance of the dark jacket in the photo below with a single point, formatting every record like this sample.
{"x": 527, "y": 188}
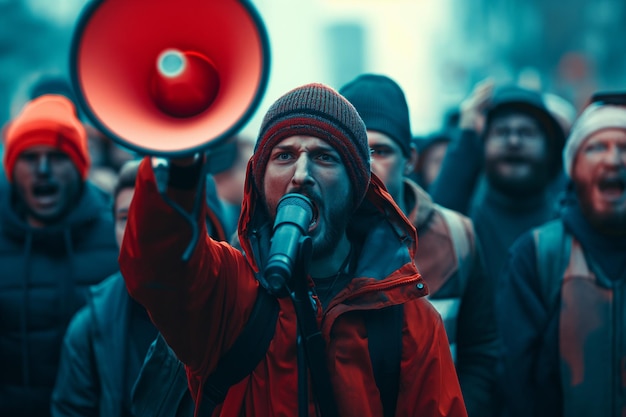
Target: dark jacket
{"x": 450, "y": 260}
{"x": 201, "y": 307}
{"x": 44, "y": 275}
{"x": 106, "y": 343}
{"x": 498, "y": 219}
{"x": 103, "y": 350}
{"x": 563, "y": 331}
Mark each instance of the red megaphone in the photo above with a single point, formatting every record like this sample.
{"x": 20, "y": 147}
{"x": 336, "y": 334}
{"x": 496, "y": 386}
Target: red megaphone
{"x": 169, "y": 77}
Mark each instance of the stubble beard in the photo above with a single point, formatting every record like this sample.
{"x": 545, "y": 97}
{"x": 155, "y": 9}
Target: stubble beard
{"x": 335, "y": 228}
{"x": 609, "y": 223}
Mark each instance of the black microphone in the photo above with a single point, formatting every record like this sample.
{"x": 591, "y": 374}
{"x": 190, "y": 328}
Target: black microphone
{"x": 293, "y": 217}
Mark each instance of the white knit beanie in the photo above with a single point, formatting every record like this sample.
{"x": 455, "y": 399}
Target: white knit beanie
{"x": 594, "y": 118}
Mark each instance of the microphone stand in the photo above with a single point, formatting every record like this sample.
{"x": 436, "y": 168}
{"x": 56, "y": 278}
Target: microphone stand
{"x": 310, "y": 342}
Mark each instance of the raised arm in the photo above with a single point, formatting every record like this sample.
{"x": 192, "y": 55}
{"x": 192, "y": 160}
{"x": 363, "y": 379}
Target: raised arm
{"x": 463, "y": 163}
{"x": 199, "y": 305}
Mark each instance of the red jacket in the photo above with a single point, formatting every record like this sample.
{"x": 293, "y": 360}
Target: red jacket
{"x": 201, "y": 306}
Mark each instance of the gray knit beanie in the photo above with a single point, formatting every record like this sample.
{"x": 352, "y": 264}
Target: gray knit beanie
{"x": 382, "y": 105}
{"x": 316, "y": 110}
{"x": 594, "y": 118}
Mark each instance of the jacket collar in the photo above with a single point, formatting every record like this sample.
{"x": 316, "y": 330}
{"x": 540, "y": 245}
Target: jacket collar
{"x": 419, "y": 203}
{"x": 378, "y": 217}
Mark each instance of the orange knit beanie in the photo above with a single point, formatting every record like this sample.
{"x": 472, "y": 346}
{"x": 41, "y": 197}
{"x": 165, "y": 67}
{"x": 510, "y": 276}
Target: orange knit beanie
{"x": 47, "y": 120}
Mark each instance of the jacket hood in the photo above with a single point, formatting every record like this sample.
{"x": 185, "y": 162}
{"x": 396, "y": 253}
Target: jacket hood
{"x": 518, "y": 98}
{"x": 514, "y": 98}
{"x": 532, "y": 102}
{"x": 377, "y": 202}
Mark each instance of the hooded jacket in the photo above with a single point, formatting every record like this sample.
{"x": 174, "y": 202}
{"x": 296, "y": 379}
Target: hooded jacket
{"x": 499, "y": 219}
{"x": 201, "y": 306}
{"x": 451, "y": 262}
{"x": 105, "y": 346}
{"x": 103, "y": 350}
{"x": 44, "y": 275}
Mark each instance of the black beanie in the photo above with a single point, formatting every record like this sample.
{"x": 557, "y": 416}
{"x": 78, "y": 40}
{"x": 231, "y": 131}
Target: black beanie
{"x": 383, "y": 107}
{"x": 316, "y": 110}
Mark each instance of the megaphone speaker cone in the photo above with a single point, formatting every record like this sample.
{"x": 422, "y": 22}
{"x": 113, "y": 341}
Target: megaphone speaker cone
{"x": 184, "y": 83}
{"x": 169, "y": 77}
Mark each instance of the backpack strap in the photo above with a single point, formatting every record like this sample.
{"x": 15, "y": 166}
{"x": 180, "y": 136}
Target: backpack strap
{"x": 552, "y": 249}
{"x": 460, "y": 241}
{"x": 384, "y": 338}
{"x": 460, "y": 232}
{"x": 244, "y": 355}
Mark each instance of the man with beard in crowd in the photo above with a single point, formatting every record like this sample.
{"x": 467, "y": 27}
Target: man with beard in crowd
{"x": 312, "y": 146}
{"x": 449, "y": 257}
{"x": 561, "y": 307}
{"x": 501, "y": 169}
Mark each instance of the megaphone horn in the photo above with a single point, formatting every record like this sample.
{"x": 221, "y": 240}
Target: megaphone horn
{"x": 184, "y": 84}
{"x": 169, "y": 77}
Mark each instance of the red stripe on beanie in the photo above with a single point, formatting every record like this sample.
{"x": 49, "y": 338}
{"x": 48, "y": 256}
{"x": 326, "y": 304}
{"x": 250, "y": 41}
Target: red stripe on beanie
{"x": 319, "y": 111}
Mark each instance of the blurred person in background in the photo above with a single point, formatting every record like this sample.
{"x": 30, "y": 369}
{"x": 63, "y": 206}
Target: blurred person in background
{"x": 565, "y": 113}
{"x": 56, "y": 239}
{"x": 432, "y": 147}
{"x": 107, "y": 340}
{"x": 561, "y": 305}
{"x": 500, "y": 169}
{"x": 431, "y": 150}
{"x": 448, "y": 256}
{"x": 228, "y": 168}
{"x": 107, "y": 157}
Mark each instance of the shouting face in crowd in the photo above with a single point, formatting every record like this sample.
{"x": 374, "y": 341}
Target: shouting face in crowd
{"x": 599, "y": 172}
{"x": 47, "y": 183}
{"x": 310, "y": 166}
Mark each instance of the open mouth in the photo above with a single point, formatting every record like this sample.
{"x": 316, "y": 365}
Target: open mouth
{"x": 45, "y": 194}
{"x": 315, "y": 217}
{"x": 613, "y": 187}
{"x": 514, "y": 160}
{"x": 45, "y": 190}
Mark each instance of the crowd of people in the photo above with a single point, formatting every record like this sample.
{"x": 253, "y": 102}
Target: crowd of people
{"x": 476, "y": 271}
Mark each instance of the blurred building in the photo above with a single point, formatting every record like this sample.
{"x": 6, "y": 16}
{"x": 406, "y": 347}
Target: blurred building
{"x": 436, "y": 49}
{"x": 34, "y": 39}
{"x": 329, "y": 41}
{"x": 569, "y": 48}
